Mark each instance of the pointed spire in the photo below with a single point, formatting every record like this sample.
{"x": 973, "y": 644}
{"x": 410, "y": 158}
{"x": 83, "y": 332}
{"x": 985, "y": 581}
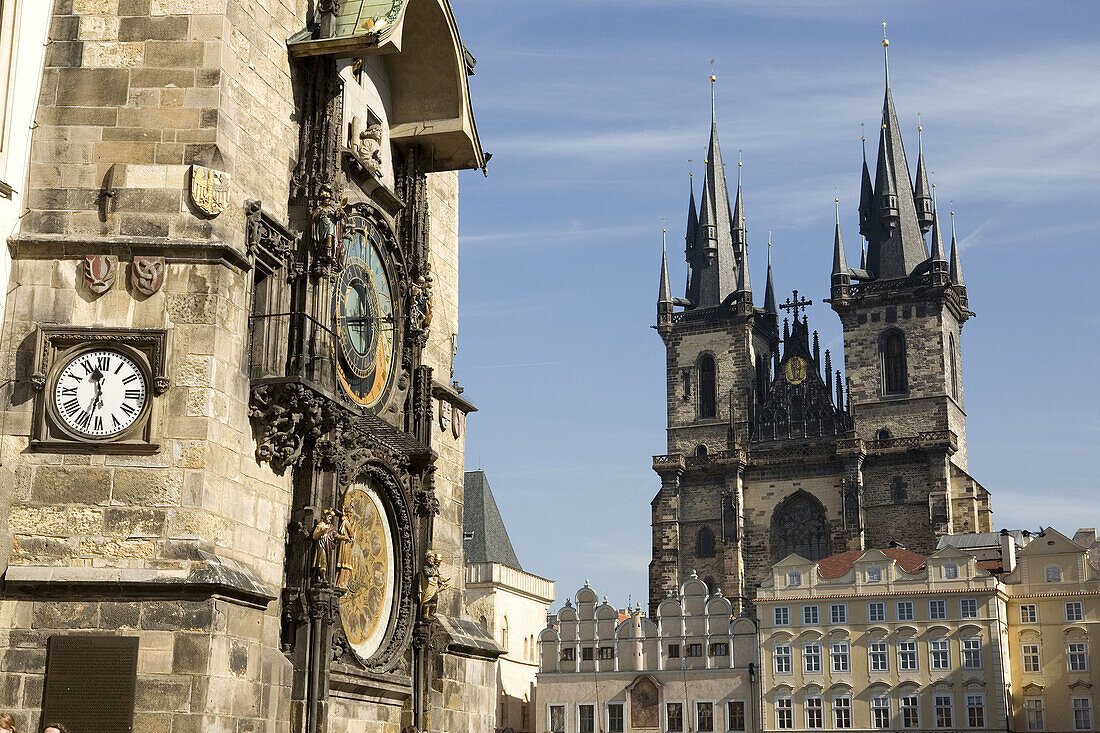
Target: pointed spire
{"x": 922, "y": 198}
{"x": 692, "y": 245}
{"x": 740, "y": 241}
{"x": 665, "y": 294}
{"x": 841, "y": 277}
{"x": 938, "y": 256}
{"x": 956, "y": 266}
{"x": 866, "y": 194}
{"x": 769, "y": 289}
{"x": 717, "y": 260}
{"x": 863, "y": 257}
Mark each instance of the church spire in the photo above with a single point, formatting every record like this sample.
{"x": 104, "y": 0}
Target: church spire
{"x": 691, "y": 243}
{"x": 922, "y": 198}
{"x": 939, "y": 259}
{"x": 896, "y": 245}
{"x": 769, "y": 288}
{"x": 866, "y": 196}
{"x": 841, "y": 277}
{"x": 740, "y": 242}
{"x": 665, "y": 293}
{"x": 956, "y": 271}
{"x": 714, "y": 244}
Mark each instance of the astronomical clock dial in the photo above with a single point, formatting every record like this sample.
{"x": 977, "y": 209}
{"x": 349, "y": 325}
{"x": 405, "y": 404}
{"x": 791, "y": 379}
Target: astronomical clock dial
{"x": 99, "y": 394}
{"x": 795, "y": 370}
{"x": 367, "y": 569}
{"x": 366, "y": 324}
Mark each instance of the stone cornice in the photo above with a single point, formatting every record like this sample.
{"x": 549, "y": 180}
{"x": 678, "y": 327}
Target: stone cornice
{"x": 75, "y": 246}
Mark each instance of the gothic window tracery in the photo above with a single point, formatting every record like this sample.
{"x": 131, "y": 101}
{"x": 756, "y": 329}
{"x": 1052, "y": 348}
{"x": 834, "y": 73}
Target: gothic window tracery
{"x": 708, "y": 391}
{"x": 704, "y": 543}
{"x": 799, "y": 526}
{"x": 895, "y": 377}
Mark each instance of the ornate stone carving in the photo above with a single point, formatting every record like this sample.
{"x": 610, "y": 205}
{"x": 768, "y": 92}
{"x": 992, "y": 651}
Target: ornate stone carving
{"x": 209, "y": 190}
{"x": 368, "y": 149}
{"x": 99, "y": 272}
{"x": 327, "y": 232}
{"x": 289, "y": 416}
{"x": 432, "y": 583}
{"x": 147, "y": 274}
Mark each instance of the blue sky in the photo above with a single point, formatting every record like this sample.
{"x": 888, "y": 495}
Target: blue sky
{"x": 592, "y": 109}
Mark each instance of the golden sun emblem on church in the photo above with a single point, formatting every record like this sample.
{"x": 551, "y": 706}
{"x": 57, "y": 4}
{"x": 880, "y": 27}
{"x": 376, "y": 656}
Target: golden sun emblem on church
{"x": 795, "y": 370}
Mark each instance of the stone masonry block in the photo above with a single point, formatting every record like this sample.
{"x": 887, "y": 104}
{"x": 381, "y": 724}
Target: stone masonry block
{"x": 163, "y": 28}
{"x": 70, "y": 485}
{"x": 93, "y": 87}
{"x": 64, "y": 615}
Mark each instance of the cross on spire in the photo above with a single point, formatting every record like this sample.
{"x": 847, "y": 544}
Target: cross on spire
{"x": 796, "y": 304}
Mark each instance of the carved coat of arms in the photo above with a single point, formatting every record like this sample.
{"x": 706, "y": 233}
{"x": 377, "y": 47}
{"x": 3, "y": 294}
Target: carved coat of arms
{"x": 99, "y": 272}
{"x": 209, "y": 189}
{"x": 457, "y": 419}
{"x": 444, "y": 414}
{"x": 147, "y": 274}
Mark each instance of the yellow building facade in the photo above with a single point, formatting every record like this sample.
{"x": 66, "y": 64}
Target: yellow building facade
{"x": 883, "y": 639}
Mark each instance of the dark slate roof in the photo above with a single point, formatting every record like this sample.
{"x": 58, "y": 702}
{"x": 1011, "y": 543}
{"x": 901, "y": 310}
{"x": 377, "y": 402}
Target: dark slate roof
{"x": 481, "y": 517}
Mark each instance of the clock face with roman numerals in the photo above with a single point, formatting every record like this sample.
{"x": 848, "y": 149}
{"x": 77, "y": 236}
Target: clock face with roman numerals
{"x": 100, "y": 393}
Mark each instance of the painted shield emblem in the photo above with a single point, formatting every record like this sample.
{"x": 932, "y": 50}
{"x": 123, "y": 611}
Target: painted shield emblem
{"x": 209, "y": 189}
{"x": 147, "y": 274}
{"x": 457, "y": 419}
{"x": 99, "y": 272}
{"x": 444, "y": 414}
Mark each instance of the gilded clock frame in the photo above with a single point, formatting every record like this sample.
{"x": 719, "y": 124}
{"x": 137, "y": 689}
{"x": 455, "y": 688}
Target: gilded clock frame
{"x": 57, "y": 346}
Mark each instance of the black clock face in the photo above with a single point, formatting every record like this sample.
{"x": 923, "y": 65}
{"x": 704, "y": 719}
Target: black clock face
{"x": 363, "y": 309}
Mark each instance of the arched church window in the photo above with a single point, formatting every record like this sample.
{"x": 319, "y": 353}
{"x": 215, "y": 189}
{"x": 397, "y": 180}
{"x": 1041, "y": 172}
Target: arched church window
{"x": 700, "y": 451}
{"x": 799, "y": 526}
{"x": 898, "y": 490}
{"x": 704, "y": 543}
{"x": 895, "y": 376}
{"x": 708, "y": 390}
{"x": 884, "y": 434}
{"x": 954, "y": 357}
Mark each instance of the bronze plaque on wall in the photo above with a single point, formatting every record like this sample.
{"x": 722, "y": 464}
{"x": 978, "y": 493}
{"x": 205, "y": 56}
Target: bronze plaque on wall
{"x": 90, "y": 683}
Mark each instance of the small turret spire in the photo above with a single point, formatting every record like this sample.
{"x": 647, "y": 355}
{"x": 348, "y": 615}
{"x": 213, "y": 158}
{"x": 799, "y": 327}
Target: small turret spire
{"x": 866, "y": 194}
{"x": 841, "y": 277}
{"x": 664, "y": 295}
{"x": 886, "y": 54}
{"x": 769, "y": 289}
{"x": 740, "y": 240}
{"x": 956, "y": 266}
{"x": 922, "y": 199}
{"x": 692, "y": 245}
{"x": 713, "y": 78}
{"x": 863, "y": 257}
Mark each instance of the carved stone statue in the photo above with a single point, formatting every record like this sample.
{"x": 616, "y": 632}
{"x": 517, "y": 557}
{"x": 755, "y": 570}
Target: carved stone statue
{"x": 431, "y": 583}
{"x": 369, "y": 149}
{"x": 326, "y": 538}
{"x": 327, "y": 225}
{"x": 420, "y": 303}
{"x": 344, "y": 553}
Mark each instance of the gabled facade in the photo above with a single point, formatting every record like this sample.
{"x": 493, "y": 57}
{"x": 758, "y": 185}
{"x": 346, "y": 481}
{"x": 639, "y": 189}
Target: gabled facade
{"x": 771, "y": 449}
{"x": 883, "y": 639}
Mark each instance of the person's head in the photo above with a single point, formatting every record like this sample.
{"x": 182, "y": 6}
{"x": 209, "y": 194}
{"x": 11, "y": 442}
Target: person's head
{"x": 7, "y": 723}
{"x": 55, "y": 728}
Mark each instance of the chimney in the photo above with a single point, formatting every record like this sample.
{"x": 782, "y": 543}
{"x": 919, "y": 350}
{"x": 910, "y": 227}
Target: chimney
{"x": 1008, "y": 551}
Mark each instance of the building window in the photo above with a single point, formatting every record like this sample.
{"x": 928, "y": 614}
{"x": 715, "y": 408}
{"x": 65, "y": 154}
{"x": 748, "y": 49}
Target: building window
{"x": 615, "y": 717}
{"x": 879, "y": 656}
{"x": 1054, "y": 573}
{"x": 838, "y": 656}
{"x": 700, "y": 451}
{"x": 894, "y": 371}
{"x": 781, "y": 616}
{"x": 909, "y": 707}
{"x": 704, "y": 543}
{"x": 874, "y": 574}
{"x": 975, "y": 710}
{"x": 720, "y": 649}
{"x": 972, "y": 653}
{"x": 815, "y": 712}
{"x": 1030, "y": 653}
{"x": 504, "y": 635}
{"x": 735, "y": 715}
{"x": 607, "y": 652}
{"x": 1034, "y": 713}
{"x": 876, "y": 611}
{"x": 907, "y": 656}
{"x": 905, "y": 610}
{"x": 943, "y": 707}
{"x": 1029, "y": 614}
{"x": 1077, "y": 656}
{"x": 1082, "y": 713}
{"x": 939, "y": 652}
{"x": 968, "y": 608}
{"x": 704, "y": 717}
{"x": 794, "y": 579}
{"x": 880, "y": 711}
{"x": 707, "y": 387}
{"x": 950, "y": 571}
{"x": 800, "y": 526}
{"x": 586, "y": 719}
{"x": 673, "y": 651}
{"x": 811, "y": 615}
{"x": 784, "y": 712}
{"x": 782, "y": 659}
{"x": 568, "y": 654}
{"x": 587, "y": 653}
{"x": 557, "y": 719}
{"x": 674, "y": 716}
{"x": 811, "y": 658}
{"x": 838, "y": 613}
{"x": 694, "y": 650}
{"x": 842, "y": 712}
{"x": 711, "y": 585}
{"x": 898, "y": 490}
{"x": 1073, "y": 611}
{"x": 937, "y": 610}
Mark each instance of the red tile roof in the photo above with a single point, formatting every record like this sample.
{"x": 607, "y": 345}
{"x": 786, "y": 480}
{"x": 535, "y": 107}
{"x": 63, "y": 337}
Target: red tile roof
{"x": 836, "y": 565}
